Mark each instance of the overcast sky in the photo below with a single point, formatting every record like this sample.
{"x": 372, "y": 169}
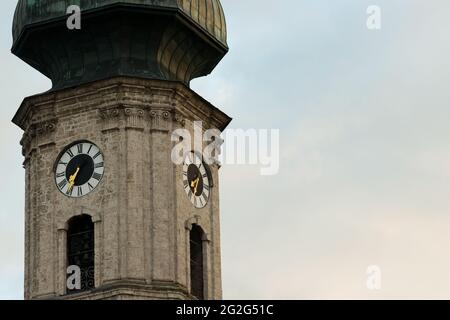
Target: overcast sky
{"x": 365, "y": 153}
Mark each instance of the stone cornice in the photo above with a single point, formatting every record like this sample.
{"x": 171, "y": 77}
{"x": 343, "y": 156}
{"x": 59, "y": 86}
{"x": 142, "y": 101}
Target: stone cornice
{"x": 175, "y": 96}
{"x": 41, "y": 130}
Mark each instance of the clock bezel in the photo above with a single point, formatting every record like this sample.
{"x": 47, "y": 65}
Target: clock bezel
{"x": 58, "y": 158}
{"x": 209, "y": 176}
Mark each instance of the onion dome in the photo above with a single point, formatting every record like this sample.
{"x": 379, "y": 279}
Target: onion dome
{"x": 176, "y": 40}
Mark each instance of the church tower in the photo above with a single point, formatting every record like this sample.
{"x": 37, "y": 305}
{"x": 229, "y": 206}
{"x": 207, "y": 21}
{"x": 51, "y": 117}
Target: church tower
{"x": 108, "y": 214}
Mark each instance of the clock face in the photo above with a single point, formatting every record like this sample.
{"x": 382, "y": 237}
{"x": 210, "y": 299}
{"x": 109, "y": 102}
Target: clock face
{"x": 196, "y": 181}
{"x": 79, "y": 169}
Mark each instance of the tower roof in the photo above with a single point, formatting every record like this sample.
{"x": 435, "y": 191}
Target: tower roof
{"x": 207, "y": 14}
{"x": 159, "y": 39}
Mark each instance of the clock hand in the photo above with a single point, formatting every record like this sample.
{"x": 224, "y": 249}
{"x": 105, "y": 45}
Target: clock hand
{"x": 194, "y": 184}
{"x": 73, "y": 177}
{"x": 81, "y": 166}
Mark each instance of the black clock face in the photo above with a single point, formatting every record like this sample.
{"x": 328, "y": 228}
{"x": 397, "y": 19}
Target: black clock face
{"x": 79, "y": 170}
{"x": 196, "y": 181}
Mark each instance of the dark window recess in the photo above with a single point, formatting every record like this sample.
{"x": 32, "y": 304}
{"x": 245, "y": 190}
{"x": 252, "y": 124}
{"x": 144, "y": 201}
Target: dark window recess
{"x": 196, "y": 243}
{"x": 80, "y": 250}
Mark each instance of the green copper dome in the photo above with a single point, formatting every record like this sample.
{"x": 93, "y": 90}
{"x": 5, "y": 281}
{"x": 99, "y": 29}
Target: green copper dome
{"x": 160, "y": 39}
{"x": 208, "y": 14}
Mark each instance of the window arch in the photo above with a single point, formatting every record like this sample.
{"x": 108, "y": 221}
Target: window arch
{"x": 80, "y": 249}
{"x": 196, "y": 260}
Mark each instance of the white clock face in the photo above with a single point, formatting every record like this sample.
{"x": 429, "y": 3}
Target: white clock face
{"x": 196, "y": 180}
{"x": 79, "y": 170}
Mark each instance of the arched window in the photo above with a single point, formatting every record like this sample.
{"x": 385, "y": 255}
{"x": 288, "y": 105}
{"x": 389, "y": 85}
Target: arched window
{"x": 80, "y": 249}
{"x": 196, "y": 257}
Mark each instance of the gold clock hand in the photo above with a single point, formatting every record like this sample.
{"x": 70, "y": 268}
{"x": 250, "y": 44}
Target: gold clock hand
{"x": 73, "y": 177}
{"x": 196, "y": 185}
{"x": 195, "y": 189}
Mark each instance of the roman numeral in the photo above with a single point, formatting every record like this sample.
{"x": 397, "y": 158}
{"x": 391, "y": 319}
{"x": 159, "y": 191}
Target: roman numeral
{"x": 99, "y": 165}
{"x": 97, "y": 176}
{"x": 90, "y": 187}
{"x": 205, "y": 176}
{"x": 69, "y": 191}
{"x": 80, "y": 148}
{"x": 60, "y": 175}
{"x": 205, "y": 186}
{"x": 96, "y": 155}
{"x": 201, "y": 201}
{"x": 90, "y": 147}
{"x": 70, "y": 153}
{"x": 80, "y": 191}
{"x": 204, "y": 198}
{"x": 62, "y": 184}
{"x": 186, "y": 184}
{"x": 63, "y": 163}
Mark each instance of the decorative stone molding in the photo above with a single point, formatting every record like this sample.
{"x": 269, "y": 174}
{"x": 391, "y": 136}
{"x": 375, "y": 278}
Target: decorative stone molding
{"x": 38, "y": 134}
{"x": 109, "y": 113}
{"x": 160, "y": 120}
{"x": 180, "y": 119}
{"x": 43, "y": 128}
{"x": 134, "y": 117}
{"x": 110, "y": 118}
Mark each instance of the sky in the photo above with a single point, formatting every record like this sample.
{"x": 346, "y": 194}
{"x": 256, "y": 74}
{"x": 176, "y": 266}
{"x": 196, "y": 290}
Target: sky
{"x": 364, "y": 175}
